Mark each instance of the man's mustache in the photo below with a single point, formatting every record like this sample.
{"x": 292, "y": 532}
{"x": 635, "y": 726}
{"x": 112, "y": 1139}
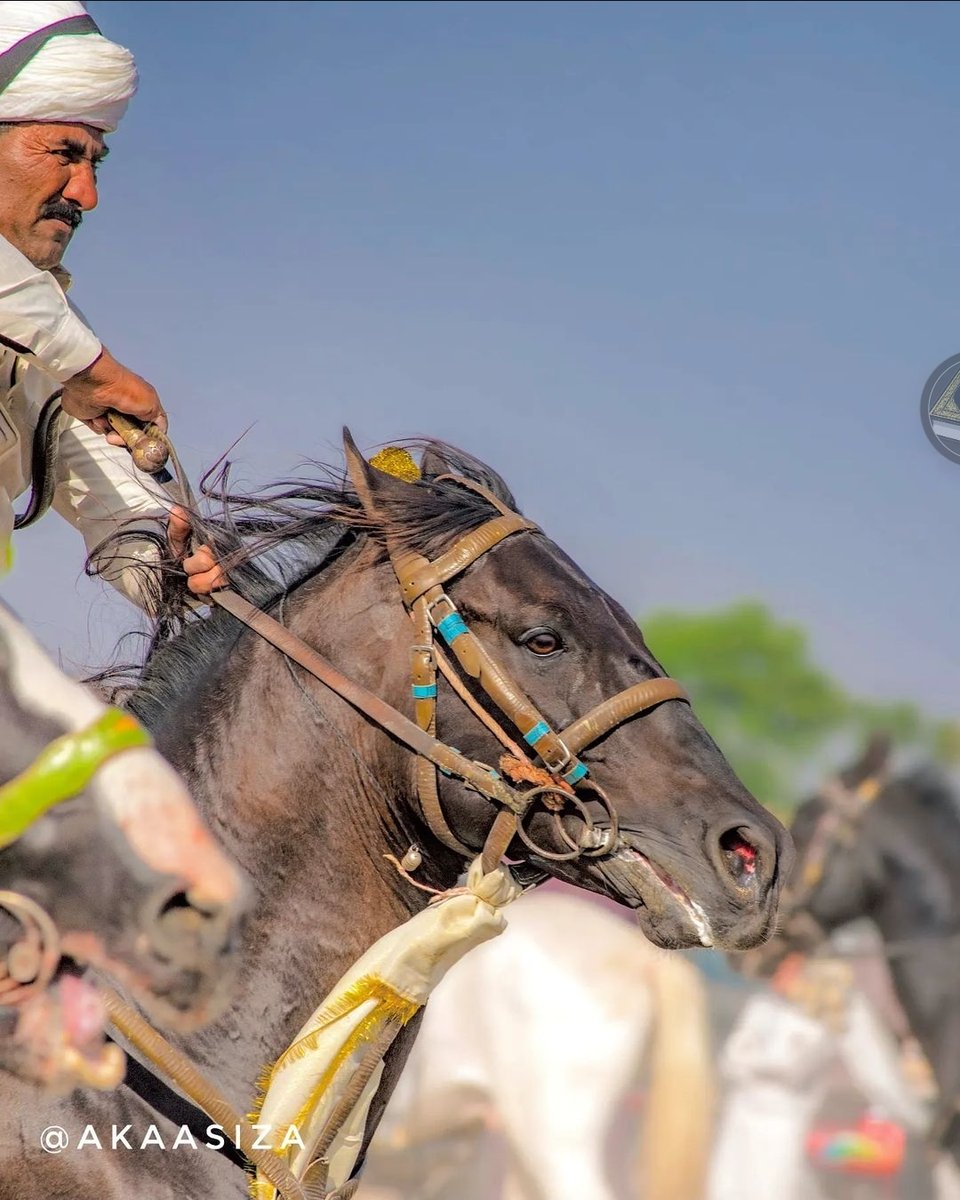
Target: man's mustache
{"x": 62, "y": 210}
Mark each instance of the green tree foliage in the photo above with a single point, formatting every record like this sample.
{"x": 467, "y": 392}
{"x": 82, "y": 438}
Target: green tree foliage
{"x": 775, "y": 712}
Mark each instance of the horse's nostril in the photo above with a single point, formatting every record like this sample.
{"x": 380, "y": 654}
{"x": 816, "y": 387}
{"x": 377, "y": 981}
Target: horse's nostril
{"x": 740, "y": 855}
{"x": 187, "y": 933}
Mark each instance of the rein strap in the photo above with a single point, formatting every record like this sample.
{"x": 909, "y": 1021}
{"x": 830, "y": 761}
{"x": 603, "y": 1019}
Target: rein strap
{"x": 385, "y": 715}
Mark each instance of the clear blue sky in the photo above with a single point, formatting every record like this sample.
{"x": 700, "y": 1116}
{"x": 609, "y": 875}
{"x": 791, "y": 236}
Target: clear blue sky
{"x": 679, "y": 271}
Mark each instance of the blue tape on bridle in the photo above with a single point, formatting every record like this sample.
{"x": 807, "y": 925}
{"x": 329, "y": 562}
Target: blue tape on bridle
{"x": 452, "y": 627}
{"x": 575, "y": 774}
{"x": 540, "y": 730}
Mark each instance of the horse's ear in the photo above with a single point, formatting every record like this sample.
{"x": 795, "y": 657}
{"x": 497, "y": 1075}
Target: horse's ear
{"x": 360, "y": 473}
{"x": 876, "y": 755}
{"x": 874, "y": 760}
{"x": 440, "y": 459}
{"x": 386, "y": 471}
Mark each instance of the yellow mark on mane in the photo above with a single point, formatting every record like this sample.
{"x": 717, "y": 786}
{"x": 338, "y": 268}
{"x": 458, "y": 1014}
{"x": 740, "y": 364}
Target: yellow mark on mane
{"x": 393, "y": 460}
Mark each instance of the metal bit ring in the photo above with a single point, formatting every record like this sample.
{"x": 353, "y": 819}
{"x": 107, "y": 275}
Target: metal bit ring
{"x": 32, "y": 961}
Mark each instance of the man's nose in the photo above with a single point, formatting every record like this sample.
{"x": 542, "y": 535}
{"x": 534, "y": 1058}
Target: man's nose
{"x": 82, "y": 188}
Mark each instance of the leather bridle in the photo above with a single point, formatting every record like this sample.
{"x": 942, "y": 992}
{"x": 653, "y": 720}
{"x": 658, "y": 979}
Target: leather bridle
{"x": 422, "y": 586}
{"x": 422, "y": 583}
{"x": 844, "y": 807}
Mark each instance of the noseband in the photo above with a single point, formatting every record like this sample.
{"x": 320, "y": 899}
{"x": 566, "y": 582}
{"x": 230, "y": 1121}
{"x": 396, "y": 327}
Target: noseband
{"x": 62, "y": 770}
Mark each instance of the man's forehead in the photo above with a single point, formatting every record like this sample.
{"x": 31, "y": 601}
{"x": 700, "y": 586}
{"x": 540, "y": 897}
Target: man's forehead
{"x": 81, "y": 137}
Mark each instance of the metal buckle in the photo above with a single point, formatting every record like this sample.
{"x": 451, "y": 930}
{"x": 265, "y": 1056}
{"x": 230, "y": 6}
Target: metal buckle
{"x": 567, "y": 756}
{"x": 442, "y": 598}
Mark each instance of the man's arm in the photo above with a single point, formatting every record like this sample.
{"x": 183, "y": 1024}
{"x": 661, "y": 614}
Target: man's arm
{"x": 37, "y": 321}
{"x": 99, "y": 491}
{"x": 98, "y": 487}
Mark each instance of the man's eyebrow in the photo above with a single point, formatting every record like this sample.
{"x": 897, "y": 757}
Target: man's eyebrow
{"x": 80, "y": 149}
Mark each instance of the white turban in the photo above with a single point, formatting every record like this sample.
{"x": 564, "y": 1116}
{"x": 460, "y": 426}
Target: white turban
{"x": 70, "y": 74}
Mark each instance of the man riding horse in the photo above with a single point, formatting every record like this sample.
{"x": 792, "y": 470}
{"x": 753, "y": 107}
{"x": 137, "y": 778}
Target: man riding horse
{"x": 63, "y": 86}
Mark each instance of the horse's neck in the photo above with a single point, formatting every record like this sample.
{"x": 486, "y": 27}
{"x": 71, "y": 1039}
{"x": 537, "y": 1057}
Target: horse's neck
{"x": 296, "y": 947}
{"x": 320, "y": 901}
{"x": 304, "y": 795}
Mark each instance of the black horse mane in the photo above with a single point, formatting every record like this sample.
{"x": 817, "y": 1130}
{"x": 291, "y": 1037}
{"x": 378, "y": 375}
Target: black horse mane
{"x": 272, "y": 541}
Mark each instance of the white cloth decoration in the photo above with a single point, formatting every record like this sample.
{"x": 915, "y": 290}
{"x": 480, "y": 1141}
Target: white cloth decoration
{"x": 390, "y": 982}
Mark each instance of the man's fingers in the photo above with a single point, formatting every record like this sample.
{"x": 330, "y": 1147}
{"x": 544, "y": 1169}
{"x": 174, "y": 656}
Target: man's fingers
{"x": 204, "y": 573}
{"x": 108, "y": 384}
{"x": 201, "y": 560}
{"x": 178, "y": 530}
{"x": 207, "y": 581}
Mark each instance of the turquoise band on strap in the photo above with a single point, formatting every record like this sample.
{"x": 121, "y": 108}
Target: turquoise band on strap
{"x": 443, "y": 770}
{"x": 452, "y": 627}
{"x": 575, "y": 774}
{"x": 541, "y": 729}
{"x": 424, "y": 691}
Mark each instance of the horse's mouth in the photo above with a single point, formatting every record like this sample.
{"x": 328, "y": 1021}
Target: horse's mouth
{"x": 178, "y": 999}
{"x": 648, "y": 888}
{"x": 60, "y": 1035}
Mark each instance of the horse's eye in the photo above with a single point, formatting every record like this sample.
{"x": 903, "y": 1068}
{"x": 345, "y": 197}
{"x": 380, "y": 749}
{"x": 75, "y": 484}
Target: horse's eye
{"x": 542, "y": 642}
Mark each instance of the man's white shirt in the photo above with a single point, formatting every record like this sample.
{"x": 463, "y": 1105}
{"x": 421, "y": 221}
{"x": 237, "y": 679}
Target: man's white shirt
{"x": 44, "y": 342}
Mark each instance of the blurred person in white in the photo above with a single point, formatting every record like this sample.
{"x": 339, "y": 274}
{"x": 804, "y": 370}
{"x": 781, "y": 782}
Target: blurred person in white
{"x": 776, "y": 1065}
{"x": 63, "y": 86}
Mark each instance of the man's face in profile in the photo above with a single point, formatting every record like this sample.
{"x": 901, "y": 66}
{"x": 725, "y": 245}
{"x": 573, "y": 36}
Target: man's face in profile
{"x": 48, "y": 180}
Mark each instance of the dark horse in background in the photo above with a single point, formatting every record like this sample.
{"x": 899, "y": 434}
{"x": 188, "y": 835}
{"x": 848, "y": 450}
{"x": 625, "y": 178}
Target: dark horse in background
{"x": 119, "y": 873}
{"x": 893, "y": 857}
{"x": 309, "y": 795}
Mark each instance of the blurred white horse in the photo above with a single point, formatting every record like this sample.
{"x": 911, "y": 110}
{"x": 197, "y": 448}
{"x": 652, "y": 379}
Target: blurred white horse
{"x": 542, "y": 1034}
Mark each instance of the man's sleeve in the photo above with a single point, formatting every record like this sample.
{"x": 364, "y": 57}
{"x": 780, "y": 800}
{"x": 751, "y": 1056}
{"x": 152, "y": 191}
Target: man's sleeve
{"x": 36, "y": 318}
{"x": 99, "y": 491}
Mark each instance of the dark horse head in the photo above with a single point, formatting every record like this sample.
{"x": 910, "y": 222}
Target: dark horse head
{"x": 888, "y": 848}
{"x": 697, "y": 857}
{"x": 119, "y": 874}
